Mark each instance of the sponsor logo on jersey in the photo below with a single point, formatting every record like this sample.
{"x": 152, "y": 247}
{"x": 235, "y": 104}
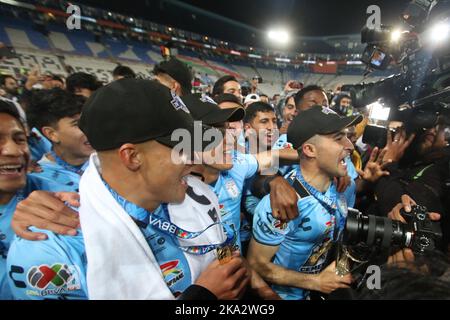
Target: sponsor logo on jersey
{"x": 172, "y": 274}
{"x": 53, "y": 280}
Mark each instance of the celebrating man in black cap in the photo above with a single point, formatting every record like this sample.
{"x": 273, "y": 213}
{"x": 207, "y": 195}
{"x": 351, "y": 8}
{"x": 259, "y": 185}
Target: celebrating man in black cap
{"x": 124, "y": 198}
{"x": 175, "y": 75}
{"x": 127, "y": 228}
{"x": 292, "y": 255}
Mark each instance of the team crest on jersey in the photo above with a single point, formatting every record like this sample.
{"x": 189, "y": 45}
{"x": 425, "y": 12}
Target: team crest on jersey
{"x": 53, "y": 280}
{"x": 177, "y": 103}
{"x": 232, "y": 189}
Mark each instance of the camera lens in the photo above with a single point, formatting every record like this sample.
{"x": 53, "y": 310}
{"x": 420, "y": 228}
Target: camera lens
{"x": 374, "y": 231}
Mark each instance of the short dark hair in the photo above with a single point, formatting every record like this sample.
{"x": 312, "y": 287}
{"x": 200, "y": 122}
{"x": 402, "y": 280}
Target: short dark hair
{"x": 123, "y": 71}
{"x": 3, "y": 78}
{"x": 218, "y": 85}
{"x": 263, "y": 95}
{"x": 254, "y": 108}
{"x": 47, "y": 107}
{"x": 82, "y": 80}
{"x": 57, "y": 78}
{"x": 285, "y": 102}
{"x": 299, "y": 95}
{"x": 10, "y": 109}
{"x": 227, "y": 97}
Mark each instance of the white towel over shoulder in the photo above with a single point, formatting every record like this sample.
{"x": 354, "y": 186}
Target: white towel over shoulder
{"x": 121, "y": 264}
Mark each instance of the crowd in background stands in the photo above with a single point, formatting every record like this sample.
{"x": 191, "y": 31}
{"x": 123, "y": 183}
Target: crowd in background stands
{"x": 63, "y": 120}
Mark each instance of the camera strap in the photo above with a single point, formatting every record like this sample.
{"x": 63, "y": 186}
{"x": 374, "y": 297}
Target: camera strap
{"x": 299, "y": 188}
{"x": 305, "y": 189}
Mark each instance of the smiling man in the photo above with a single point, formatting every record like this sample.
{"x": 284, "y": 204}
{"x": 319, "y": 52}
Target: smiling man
{"x": 15, "y": 184}
{"x": 260, "y": 122}
{"x": 292, "y": 256}
{"x": 55, "y": 113}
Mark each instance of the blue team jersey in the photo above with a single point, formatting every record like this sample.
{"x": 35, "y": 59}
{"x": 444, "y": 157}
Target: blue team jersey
{"x": 303, "y": 242}
{"x": 58, "y": 173}
{"x": 49, "y": 269}
{"x": 38, "y": 144}
{"x": 281, "y": 144}
{"x": 171, "y": 259}
{"x": 229, "y": 189}
{"x": 7, "y": 234}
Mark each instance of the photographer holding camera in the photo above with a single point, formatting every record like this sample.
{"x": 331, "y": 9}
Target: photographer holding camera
{"x": 419, "y": 168}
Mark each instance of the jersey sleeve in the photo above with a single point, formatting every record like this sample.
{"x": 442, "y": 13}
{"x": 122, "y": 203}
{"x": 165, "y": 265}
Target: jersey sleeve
{"x": 246, "y": 164}
{"x": 266, "y": 229}
{"x": 41, "y": 270}
{"x": 40, "y": 182}
{"x": 250, "y": 203}
{"x": 282, "y": 143}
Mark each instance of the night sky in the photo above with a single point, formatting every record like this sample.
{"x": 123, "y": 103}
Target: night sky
{"x": 301, "y": 17}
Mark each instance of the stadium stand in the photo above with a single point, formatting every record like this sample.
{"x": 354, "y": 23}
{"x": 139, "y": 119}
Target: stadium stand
{"x": 57, "y": 50}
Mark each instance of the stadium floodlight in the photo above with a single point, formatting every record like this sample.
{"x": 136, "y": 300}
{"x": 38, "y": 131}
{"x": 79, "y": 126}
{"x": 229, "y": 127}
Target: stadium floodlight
{"x": 440, "y": 32}
{"x": 396, "y": 35}
{"x": 279, "y": 36}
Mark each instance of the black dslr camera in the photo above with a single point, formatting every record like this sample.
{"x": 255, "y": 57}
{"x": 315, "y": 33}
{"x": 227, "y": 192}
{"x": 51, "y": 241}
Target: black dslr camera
{"x": 367, "y": 238}
{"x": 419, "y": 233}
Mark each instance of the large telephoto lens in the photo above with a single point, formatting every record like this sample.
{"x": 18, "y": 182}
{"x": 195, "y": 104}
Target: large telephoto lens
{"x": 374, "y": 231}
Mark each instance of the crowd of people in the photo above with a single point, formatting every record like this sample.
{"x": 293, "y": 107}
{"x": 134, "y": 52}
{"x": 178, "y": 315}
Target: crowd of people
{"x": 98, "y": 200}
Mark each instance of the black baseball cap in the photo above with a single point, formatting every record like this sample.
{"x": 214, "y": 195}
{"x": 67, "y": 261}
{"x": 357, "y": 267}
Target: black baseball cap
{"x": 178, "y": 70}
{"x": 205, "y": 109}
{"x": 317, "y": 120}
{"x": 135, "y": 111}
{"x": 228, "y": 97}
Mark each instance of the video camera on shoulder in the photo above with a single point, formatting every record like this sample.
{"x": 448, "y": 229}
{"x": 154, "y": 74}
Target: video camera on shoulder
{"x": 424, "y": 114}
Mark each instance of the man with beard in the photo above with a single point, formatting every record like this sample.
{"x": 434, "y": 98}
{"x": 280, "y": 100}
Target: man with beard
{"x": 260, "y": 125}
{"x": 9, "y": 86}
{"x": 292, "y": 255}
